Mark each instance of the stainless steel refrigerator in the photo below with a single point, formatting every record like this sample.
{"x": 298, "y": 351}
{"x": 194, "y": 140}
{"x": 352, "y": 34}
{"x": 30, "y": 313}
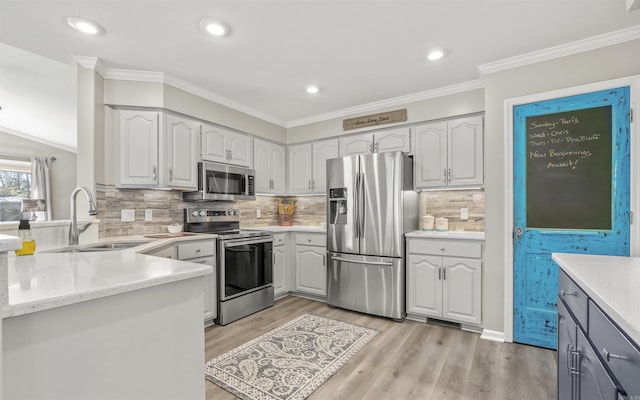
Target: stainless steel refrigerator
{"x": 371, "y": 204}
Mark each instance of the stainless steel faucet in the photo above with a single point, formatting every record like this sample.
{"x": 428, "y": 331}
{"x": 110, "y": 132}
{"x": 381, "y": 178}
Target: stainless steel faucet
{"x": 74, "y": 232}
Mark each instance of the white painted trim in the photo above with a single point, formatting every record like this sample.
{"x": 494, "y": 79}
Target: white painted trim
{"x": 495, "y": 336}
{"x": 393, "y": 102}
{"x": 579, "y": 46}
{"x": 634, "y": 83}
{"x": 38, "y": 140}
{"x": 93, "y": 63}
{"x": 633, "y": 5}
{"x": 134, "y": 75}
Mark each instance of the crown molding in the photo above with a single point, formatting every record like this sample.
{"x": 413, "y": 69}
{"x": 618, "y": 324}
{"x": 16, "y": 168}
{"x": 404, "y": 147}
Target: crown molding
{"x": 579, "y": 46}
{"x": 168, "y": 79}
{"x": 37, "y": 139}
{"x": 392, "y": 102}
{"x": 93, "y": 63}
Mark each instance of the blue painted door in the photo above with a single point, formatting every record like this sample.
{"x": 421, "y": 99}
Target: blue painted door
{"x": 571, "y": 195}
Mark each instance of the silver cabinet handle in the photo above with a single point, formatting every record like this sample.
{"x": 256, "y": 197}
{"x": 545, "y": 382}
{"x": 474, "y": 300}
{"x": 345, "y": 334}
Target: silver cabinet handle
{"x": 375, "y": 147}
{"x": 230, "y": 154}
{"x": 309, "y": 185}
{"x": 444, "y": 178}
{"x": 449, "y": 175}
{"x": 439, "y": 273}
{"x": 563, "y": 293}
{"x": 154, "y": 172}
{"x": 444, "y": 273}
{"x": 170, "y": 174}
{"x": 608, "y": 356}
{"x": 324, "y": 260}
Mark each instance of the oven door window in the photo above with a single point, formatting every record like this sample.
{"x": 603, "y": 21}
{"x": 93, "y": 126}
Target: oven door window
{"x": 247, "y": 267}
{"x": 220, "y": 182}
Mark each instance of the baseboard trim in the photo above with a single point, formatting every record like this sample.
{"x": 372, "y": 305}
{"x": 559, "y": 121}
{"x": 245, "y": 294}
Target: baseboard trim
{"x": 495, "y": 336}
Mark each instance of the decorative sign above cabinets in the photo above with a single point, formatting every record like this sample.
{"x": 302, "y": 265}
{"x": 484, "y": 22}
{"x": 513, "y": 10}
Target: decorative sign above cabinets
{"x": 389, "y": 117}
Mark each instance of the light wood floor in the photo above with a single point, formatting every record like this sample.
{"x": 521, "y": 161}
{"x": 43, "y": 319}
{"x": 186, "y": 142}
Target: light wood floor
{"x": 409, "y": 360}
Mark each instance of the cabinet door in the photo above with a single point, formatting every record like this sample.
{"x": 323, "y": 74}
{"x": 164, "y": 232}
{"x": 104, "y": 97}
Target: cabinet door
{"x": 262, "y": 164}
{"x": 461, "y": 279}
{"x": 240, "y": 149}
{"x": 214, "y": 144}
{"x": 424, "y": 285}
{"x": 430, "y": 161}
{"x": 465, "y": 151}
{"x": 594, "y": 382}
{"x": 311, "y": 274}
{"x": 322, "y": 151}
{"x": 278, "y": 158}
{"x": 300, "y": 166}
{"x": 138, "y": 148}
{"x": 356, "y": 144}
{"x": 392, "y": 140}
{"x": 566, "y": 344}
{"x": 182, "y": 152}
{"x": 279, "y": 277}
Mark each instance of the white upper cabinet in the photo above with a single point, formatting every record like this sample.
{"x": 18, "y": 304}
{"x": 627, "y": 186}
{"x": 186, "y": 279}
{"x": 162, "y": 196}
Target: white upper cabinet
{"x": 307, "y": 166}
{"x": 225, "y": 146}
{"x": 136, "y": 149}
{"x": 449, "y": 153}
{"x": 182, "y": 152}
{"x": 269, "y": 164}
{"x": 300, "y": 168}
{"x": 398, "y": 139}
{"x": 154, "y": 155}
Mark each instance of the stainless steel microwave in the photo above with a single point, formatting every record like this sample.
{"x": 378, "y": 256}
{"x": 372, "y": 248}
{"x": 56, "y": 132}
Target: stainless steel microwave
{"x": 223, "y": 182}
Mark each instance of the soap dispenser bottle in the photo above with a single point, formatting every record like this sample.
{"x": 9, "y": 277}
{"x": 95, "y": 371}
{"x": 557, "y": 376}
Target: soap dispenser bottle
{"x": 28, "y": 244}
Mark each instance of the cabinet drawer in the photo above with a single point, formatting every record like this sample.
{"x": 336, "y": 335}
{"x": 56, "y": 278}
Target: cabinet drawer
{"x": 279, "y": 239}
{"x": 576, "y": 299}
{"x": 165, "y": 253}
{"x": 311, "y": 239}
{"x": 193, "y": 250}
{"x": 439, "y": 247}
{"x": 618, "y": 352}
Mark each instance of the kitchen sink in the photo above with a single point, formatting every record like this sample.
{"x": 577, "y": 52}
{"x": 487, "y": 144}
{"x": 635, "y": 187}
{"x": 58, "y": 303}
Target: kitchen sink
{"x": 108, "y": 246}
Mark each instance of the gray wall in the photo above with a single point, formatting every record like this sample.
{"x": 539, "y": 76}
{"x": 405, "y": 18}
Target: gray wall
{"x": 63, "y": 177}
{"x": 612, "y": 62}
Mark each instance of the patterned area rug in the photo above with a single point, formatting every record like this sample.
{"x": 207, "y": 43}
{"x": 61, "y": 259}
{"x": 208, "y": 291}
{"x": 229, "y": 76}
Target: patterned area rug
{"x": 289, "y": 362}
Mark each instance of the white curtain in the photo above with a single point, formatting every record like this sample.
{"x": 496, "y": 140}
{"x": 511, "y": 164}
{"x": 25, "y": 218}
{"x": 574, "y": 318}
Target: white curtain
{"x": 41, "y": 184}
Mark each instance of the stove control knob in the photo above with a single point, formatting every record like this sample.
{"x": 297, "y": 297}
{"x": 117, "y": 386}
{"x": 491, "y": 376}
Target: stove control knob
{"x": 235, "y": 212}
{"x": 203, "y": 213}
{"x": 194, "y": 213}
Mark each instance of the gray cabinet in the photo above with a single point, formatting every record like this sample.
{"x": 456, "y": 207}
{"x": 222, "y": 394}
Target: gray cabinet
{"x": 311, "y": 264}
{"x": 280, "y": 262}
{"x": 449, "y": 153}
{"x": 444, "y": 279}
{"x": 398, "y": 139}
{"x": 269, "y": 160}
{"x": 596, "y": 360}
{"x": 150, "y": 154}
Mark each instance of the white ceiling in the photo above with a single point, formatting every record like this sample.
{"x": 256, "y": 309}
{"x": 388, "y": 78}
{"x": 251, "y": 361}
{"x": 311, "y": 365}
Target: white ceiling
{"x": 357, "y": 51}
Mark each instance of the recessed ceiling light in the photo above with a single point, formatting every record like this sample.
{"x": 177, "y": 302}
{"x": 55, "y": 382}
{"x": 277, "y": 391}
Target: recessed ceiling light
{"x": 85, "y": 26}
{"x": 312, "y": 89}
{"x": 435, "y": 54}
{"x": 214, "y": 27}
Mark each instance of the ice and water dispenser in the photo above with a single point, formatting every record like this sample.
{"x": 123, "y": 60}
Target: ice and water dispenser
{"x": 338, "y": 206}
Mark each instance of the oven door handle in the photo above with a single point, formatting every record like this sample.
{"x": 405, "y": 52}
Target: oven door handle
{"x": 234, "y": 243}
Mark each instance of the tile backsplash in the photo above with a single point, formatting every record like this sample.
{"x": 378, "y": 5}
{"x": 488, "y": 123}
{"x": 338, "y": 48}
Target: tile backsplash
{"x": 167, "y": 208}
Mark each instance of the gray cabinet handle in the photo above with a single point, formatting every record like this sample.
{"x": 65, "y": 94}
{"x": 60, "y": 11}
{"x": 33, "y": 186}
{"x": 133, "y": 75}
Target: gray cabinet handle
{"x": 608, "y": 356}
{"x": 170, "y": 174}
{"x": 444, "y": 273}
{"x": 444, "y": 178}
{"x": 154, "y": 172}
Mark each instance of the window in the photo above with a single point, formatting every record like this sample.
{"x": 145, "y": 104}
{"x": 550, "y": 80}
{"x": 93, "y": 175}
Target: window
{"x": 15, "y": 185}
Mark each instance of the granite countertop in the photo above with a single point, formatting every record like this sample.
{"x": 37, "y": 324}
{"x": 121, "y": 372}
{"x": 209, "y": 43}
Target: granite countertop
{"x": 612, "y": 282}
{"x": 464, "y": 235}
{"x": 47, "y": 280}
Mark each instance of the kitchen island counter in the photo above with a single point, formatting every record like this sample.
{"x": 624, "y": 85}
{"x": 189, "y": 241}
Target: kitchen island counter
{"x": 47, "y": 280}
{"x": 612, "y": 282}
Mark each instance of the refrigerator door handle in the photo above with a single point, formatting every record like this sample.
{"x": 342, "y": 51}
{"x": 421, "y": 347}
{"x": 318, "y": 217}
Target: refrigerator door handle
{"x": 361, "y": 206}
{"x": 361, "y": 262}
{"x": 356, "y": 203}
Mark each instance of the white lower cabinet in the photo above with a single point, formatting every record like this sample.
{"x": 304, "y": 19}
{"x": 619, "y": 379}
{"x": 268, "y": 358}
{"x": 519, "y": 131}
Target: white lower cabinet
{"x": 280, "y": 262}
{"x": 311, "y": 264}
{"x": 200, "y": 252}
{"x": 444, "y": 279}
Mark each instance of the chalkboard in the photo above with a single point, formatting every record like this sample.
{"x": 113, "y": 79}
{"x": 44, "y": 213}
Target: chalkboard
{"x": 568, "y": 164}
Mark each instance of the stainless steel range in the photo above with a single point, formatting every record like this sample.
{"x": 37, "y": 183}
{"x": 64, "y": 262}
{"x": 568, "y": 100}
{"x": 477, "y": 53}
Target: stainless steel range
{"x": 244, "y": 265}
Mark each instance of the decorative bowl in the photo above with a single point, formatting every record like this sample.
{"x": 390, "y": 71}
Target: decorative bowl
{"x": 174, "y": 228}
